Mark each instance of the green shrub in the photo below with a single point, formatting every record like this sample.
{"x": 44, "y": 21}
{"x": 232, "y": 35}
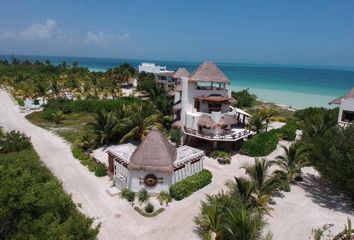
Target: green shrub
{"x": 100, "y": 170}
{"x": 288, "y": 131}
{"x": 143, "y": 195}
{"x": 48, "y": 115}
{"x": 34, "y": 204}
{"x": 261, "y": 145}
{"x": 13, "y": 142}
{"x": 191, "y": 184}
{"x": 164, "y": 197}
{"x": 244, "y": 98}
{"x": 176, "y": 135}
{"x": 127, "y": 194}
{"x": 149, "y": 207}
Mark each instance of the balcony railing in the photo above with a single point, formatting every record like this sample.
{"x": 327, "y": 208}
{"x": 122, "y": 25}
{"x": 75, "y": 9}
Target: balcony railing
{"x": 226, "y": 135}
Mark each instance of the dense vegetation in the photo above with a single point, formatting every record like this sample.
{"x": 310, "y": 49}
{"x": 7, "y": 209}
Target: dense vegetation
{"x": 191, "y": 184}
{"x": 331, "y": 147}
{"x": 33, "y": 204}
{"x": 29, "y": 79}
{"x": 244, "y": 98}
{"x": 265, "y": 142}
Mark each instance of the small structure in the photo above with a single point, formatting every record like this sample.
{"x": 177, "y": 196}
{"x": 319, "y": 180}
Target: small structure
{"x": 346, "y": 108}
{"x": 155, "y": 164}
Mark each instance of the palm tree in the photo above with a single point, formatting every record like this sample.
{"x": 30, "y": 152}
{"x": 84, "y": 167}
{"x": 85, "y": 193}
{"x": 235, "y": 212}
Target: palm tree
{"x": 104, "y": 126}
{"x": 212, "y": 220}
{"x": 256, "y": 122}
{"x": 265, "y": 184}
{"x": 140, "y": 122}
{"x": 267, "y": 114}
{"x": 242, "y": 224}
{"x": 296, "y": 157}
{"x": 58, "y": 117}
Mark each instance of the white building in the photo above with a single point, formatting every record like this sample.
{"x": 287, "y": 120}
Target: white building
{"x": 346, "y": 108}
{"x": 155, "y": 164}
{"x": 203, "y": 107}
{"x": 152, "y": 68}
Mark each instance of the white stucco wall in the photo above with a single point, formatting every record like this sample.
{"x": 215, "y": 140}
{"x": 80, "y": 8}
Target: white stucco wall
{"x": 135, "y": 185}
{"x": 345, "y": 105}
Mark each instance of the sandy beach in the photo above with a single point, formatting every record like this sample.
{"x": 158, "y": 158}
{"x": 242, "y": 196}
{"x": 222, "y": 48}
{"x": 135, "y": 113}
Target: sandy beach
{"x": 310, "y": 204}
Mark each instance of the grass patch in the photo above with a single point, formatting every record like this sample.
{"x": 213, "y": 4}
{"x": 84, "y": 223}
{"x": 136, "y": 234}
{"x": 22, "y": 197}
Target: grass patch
{"x": 145, "y": 214}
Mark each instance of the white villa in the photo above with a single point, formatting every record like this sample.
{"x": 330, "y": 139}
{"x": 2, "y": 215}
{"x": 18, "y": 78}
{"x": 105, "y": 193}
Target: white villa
{"x": 152, "y": 68}
{"x": 203, "y": 107}
{"x": 346, "y": 108}
{"x": 155, "y": 164}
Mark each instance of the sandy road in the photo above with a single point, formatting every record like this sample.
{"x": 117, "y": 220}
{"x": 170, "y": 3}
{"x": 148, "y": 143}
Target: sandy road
{"x": 293, "y": 217}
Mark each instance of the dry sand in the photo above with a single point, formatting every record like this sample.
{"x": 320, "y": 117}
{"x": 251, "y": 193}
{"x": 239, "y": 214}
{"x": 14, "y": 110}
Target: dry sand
{"x": 307, "y": 206}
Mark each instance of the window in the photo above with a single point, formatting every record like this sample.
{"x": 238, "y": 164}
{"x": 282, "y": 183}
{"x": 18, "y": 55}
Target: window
{"x": 214, "y": 107}
{"x": 347, "y": 116}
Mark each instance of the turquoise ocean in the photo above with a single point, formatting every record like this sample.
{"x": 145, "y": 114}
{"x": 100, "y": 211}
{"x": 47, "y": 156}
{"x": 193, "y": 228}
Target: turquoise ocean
{"x": 290, "y": 85}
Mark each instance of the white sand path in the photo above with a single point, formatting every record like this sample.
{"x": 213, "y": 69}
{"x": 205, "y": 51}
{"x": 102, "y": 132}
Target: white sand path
{"x": 292, "y": 218}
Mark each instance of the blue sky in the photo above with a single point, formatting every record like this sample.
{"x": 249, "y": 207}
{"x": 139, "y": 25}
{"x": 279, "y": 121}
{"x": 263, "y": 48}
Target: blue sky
{"x": 316, "y": 32}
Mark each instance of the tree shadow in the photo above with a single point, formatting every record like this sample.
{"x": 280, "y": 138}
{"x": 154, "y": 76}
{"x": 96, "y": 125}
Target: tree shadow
{"x": 324, "y": 194}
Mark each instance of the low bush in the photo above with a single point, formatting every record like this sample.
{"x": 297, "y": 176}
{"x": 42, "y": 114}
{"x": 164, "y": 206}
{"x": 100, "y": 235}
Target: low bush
{"x": 128, "y": 194}
{"x": 48, "y": 115}
{"x": 88, "y": 105}
{"x": 164, "y": 197}
{"x": 99, "y": 169}
{"x": 191, "y": 184}
{"x": 143, "y": 195}
{"x": 13, "y": 142}
{"x": 261, "y": 145}
{"x": 288, "y": 131}
{"x": 149, "y": 207}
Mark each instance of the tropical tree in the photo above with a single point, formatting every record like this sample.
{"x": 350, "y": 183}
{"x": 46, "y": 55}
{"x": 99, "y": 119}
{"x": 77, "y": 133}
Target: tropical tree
{"x": 140, "y": 122}
{"x": 257, "y": 122}
{"x": 104, "y": 126}
{"x": 212, "y": 219}
{"x": 58, "y": 117}
{"x": 265, "y": 183}
{"x": 295, "y": 158}
{"x": 242, "y": 224}
{"x": 267, "y": 114}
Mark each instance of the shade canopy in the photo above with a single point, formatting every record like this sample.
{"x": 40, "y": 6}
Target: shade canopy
{"x": 348, "y": 95}
{"x": 155, "y": 154}
{"x": 205, "y": 121}
{"x": 209, "y": 72}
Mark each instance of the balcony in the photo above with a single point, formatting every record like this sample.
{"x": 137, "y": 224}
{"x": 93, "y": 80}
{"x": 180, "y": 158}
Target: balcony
{"x": 232, "y": 135}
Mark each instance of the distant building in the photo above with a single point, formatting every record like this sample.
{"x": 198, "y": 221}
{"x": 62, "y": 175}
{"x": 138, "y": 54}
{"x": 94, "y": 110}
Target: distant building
{"x": 151, "y": 68}
{"x": 203, "y": 108}
{"x": 155, "y": 164}
{"x": 346, "y": 108}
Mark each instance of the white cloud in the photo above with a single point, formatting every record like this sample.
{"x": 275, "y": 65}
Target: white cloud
{"x": 6, "y": 34}
{"x": 41, "y": 31}
{"x": 105, "y": 39}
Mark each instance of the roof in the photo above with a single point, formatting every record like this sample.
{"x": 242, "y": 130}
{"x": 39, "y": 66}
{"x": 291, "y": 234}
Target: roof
{"x": 209, "y": 72}
{"x": 181, "y": 72}
{"x": 155, "y": 153}
{"x": 348, "y": 95}
{"x": 228, "y": 119}
{"x": 176, "y": 124}
{"x": 178, "y": 87}
{"x": 213, "y": 98}
{"x": 177, "y": 107}
{"x": 205, "y": 121}
{"x": 238, "y": 110}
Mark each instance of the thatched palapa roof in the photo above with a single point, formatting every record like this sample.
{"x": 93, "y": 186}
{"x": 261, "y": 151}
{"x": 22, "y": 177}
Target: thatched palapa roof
{"x": 205, "y": 121}
{"x": 348, "y": 95}
{"x": 209, "y": 72}
{"x": 181, "y": 72}
{"x": 229, "y": 120}
{"x": 155, "y": 153}
{"x": 176, "y": 124}
{"x": 178, "y": 88}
